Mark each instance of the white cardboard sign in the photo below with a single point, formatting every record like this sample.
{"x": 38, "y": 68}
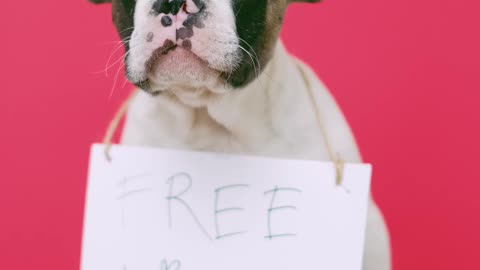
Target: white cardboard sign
{"x": 155, "y": 209}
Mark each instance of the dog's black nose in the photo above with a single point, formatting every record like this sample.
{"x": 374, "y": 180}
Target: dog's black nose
{"x": 167, "y": 7}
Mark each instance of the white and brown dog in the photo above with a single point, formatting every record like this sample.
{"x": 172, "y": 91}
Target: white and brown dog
{"x": 216, "y": 78}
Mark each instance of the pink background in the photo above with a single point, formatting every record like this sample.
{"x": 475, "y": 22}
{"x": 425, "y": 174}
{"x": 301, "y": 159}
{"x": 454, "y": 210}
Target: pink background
{"x": 406, "y": 73}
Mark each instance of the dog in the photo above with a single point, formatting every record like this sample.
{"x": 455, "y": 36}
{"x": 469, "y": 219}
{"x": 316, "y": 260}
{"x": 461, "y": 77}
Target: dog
{"x": 215, "y": 77}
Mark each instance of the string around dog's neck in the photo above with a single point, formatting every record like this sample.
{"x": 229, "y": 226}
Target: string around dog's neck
{"x": 334, "y": 157}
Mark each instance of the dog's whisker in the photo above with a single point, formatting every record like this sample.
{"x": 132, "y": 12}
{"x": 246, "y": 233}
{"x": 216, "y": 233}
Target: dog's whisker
{"x": 126, "y": 29}
{"x": 115, "y": 81}
{"x": 252, "y": 50}
{"x": 108, "y": 66}
{"x": 256, "y": 56}
{"x": 117, "y": 74}
{"x": 125, "y": 81}
{"x": 251, "y": 58}
{"x": 122, "y": 43}
{"x": 121, "y": 58}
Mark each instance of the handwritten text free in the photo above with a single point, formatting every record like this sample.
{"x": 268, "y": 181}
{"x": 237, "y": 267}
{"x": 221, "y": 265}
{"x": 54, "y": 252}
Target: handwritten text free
{"x": 182, "y": 183}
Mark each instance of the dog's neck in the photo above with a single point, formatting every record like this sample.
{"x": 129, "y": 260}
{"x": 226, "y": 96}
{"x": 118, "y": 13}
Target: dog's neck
{"x": 263, "y": 102}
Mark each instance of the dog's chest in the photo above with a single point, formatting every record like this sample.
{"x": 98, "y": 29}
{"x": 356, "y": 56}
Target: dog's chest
{"x": 161, "y": 123}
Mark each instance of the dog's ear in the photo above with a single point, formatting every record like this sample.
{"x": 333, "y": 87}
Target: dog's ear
{"x": 100, "y": 1}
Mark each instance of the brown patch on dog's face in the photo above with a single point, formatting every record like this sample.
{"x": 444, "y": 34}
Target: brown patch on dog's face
{"x": 257, "y": 23}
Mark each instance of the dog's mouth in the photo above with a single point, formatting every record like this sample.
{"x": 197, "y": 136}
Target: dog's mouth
{"x": 158, "y": 53}
{"x": 174, "y": 65}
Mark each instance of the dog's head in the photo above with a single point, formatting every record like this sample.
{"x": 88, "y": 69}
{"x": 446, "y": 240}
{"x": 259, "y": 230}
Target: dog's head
{"x": 197, "y": 43}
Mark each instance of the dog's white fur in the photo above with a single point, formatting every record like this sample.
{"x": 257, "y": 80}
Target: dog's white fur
{"x": 272, "y": 116}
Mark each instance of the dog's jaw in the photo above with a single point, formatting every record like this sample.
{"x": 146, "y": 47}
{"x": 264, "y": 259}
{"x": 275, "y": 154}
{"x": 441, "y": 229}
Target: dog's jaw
{"x": 179, "y": 70}
{"x": 177, "y": 48}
